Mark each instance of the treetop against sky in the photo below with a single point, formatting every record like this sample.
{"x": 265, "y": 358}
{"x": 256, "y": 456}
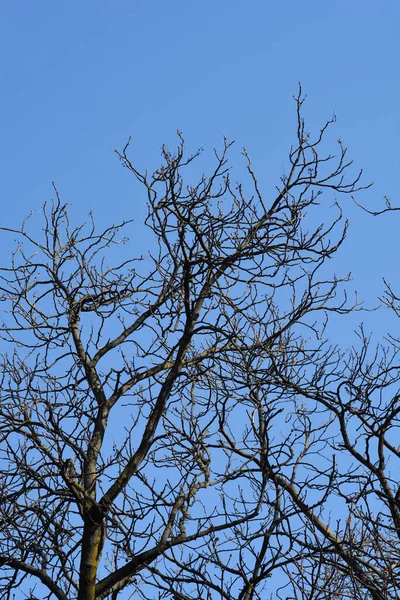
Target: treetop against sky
{"x": 179, "y": 418}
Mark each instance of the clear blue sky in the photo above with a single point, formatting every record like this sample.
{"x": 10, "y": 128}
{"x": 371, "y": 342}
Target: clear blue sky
{"x": 78, "y": 78}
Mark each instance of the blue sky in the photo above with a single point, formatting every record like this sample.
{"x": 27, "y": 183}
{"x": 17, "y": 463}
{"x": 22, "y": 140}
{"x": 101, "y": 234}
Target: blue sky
{"x": 78, "y": 78}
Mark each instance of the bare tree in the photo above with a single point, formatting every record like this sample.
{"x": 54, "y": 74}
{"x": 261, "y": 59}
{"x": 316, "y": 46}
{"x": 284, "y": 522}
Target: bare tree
{"x": 177, "y": 426}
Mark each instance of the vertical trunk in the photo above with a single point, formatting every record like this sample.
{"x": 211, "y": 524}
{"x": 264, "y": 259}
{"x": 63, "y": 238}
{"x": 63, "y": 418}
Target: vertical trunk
{"x": 91, "y": 552}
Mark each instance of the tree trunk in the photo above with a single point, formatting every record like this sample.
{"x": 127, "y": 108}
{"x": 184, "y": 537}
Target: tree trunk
{"x": 91, "y": 552}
